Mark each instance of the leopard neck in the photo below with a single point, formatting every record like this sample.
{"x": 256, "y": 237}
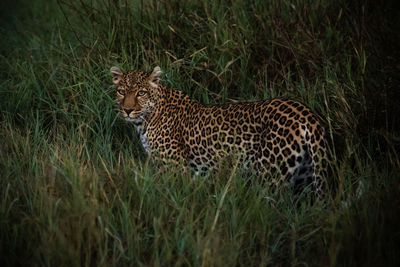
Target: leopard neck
{"x": 175, "y": 98}
{"x": 165, "y": 98}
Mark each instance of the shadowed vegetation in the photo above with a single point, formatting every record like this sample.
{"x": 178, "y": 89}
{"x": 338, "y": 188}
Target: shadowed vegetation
{"x": 77, "y": 189}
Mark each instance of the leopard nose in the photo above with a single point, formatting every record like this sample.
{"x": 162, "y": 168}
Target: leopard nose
{"x": 128, "y": 111}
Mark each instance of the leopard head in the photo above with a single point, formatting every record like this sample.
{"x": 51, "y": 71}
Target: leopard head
{"x": 137, "y": 92}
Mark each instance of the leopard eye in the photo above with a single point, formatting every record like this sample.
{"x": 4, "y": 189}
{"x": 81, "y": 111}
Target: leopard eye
{"x": 141, "y": 93}
{"x": 121, "y": 92}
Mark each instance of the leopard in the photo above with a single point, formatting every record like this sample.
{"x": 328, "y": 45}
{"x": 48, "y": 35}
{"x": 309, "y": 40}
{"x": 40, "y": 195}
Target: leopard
{"x": 281, "y": 139}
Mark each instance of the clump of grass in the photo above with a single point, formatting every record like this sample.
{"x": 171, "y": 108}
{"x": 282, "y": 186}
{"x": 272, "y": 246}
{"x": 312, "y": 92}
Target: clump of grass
{"x": 77, "y": 189}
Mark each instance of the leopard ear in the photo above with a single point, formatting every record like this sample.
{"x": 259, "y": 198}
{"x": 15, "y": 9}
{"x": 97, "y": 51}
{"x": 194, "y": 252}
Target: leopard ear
{"x": 155, "y": 77}
{"x": 116, "y": 74}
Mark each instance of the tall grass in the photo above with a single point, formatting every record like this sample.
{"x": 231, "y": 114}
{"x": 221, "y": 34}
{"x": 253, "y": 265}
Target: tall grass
{"x": 77, "y": 188}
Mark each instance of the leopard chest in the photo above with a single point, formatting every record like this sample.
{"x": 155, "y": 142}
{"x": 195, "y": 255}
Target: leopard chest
{"x": 162, "y": 135}
{"x": 143, "y": 135}
{"x": 144, "y": 141}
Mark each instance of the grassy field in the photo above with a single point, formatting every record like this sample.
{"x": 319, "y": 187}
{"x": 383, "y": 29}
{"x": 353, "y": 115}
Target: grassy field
{"x": 76, "y": 188}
